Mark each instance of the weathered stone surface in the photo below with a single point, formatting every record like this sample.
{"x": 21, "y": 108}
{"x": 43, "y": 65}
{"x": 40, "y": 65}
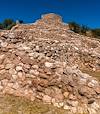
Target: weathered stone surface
{"x": 66, "y": 107}
{"x": 43, "y": 61}
{"x": 19, "y": 68}
{"x": 47, "y": 64}
{"x": 86, "y": 91}
{"x": 34, "y": 72}
{"x": 1, "y": 58}
{"x": 12, "y": 71}
{"x": 97, "y": 89}
{"x": 72, "y": 103}
{"x": 27, "y": 60}
{"x": 8, "y": 66}
{"x": 66, "y": 94}
{"x": 47, "y": 99}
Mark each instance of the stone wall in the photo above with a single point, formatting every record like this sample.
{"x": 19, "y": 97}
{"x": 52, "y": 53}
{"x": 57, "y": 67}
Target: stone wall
{"x": 47, "y": 21}
{"x": 42, "y": 63}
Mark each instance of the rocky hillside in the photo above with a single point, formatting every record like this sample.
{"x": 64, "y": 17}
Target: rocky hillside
{"x": 44, "y": 61}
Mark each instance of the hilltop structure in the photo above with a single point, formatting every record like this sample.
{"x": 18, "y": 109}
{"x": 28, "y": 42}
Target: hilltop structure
{"x": 44, "y": 61}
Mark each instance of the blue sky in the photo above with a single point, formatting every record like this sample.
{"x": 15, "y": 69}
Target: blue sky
{"x": 85, "y": 12}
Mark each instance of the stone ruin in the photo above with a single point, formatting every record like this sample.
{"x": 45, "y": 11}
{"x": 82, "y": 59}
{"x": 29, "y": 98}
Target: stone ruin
{"x": 43, "y": 62}
{"x": 51, "y": 18}
{"x": 47, "y": 21}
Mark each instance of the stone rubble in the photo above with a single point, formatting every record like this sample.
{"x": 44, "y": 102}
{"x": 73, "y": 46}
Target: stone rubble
{"x": 42, "y": 61}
